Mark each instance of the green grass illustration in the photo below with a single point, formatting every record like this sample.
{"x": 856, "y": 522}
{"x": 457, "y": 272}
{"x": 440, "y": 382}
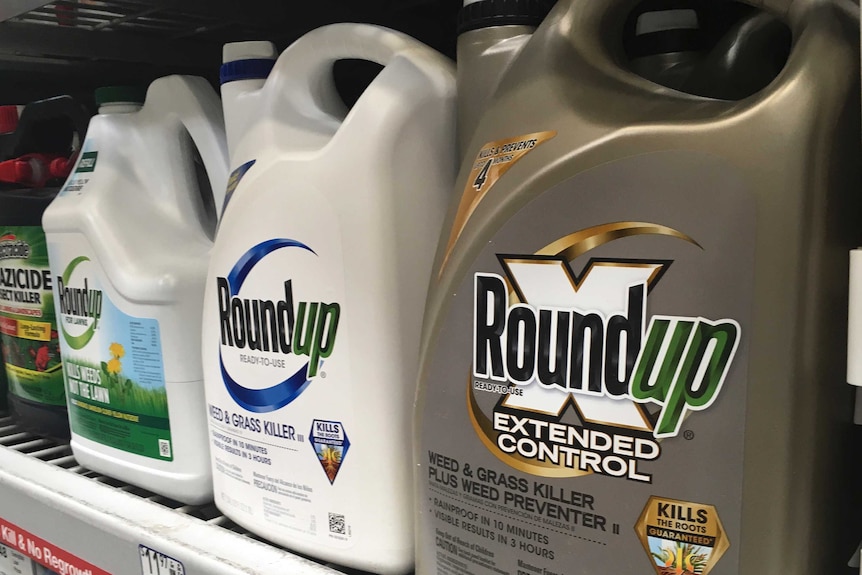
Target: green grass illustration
{"x": 126, "y": 395}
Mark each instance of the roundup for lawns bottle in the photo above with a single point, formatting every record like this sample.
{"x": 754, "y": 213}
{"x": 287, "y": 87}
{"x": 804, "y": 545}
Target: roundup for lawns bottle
{"x": 49, "y": 133}
{"x": 129, "y": 238}
{"x": 634, "y": 347}
{"x": 315, "y": 293}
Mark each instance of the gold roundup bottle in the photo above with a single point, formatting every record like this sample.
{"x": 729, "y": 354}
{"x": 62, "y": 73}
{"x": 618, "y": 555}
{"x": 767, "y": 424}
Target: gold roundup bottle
{"x": 634, "y": 345}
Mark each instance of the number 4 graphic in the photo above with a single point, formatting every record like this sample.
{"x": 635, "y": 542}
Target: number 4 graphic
{"x": 483, "y": 176}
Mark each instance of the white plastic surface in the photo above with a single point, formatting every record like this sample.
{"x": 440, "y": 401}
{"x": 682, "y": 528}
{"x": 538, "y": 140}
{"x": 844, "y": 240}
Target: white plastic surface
{"x": 662, "y": 20}
{"x": 249, "y": 50}
{"x": 140, "y": 219}
{"x": 119, "y": 108}
{"x": 367, "y": 191}
{"x": 235, "y": 116}
{"x": 854, "y": 324}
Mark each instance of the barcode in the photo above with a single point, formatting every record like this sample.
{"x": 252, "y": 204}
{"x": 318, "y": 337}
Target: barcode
{"x": 336, "y": 524}
{"x": 164, "y": 448}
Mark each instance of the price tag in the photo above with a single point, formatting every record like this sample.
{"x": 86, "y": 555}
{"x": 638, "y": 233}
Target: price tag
{"x": 156, "y": 563}
{"x": 32, "y": 553}
{"x": 12, "y": 562}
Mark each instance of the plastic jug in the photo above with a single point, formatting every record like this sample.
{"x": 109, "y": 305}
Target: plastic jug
{"x": 316, "y": 287}
{"x": 28, "y": 326}
{"x": 634, "y": 345}
{"x": 49, "y": 134}
{"x": 129, "y": 238}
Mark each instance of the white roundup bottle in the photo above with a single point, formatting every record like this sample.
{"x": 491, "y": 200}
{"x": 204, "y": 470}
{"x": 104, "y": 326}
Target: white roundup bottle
{"x": 316, "y": 290}
{"x": 128, "y": 238}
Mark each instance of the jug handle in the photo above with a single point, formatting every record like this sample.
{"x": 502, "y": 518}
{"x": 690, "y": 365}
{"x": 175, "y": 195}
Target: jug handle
{"x": 792, "y": 12}
{"x": 785, "y": 10}
{"x": 308, "y": 61}
{"x": 56, "y": 108}
{"x": 198, "y": 110}
{"x": 777, "y": 7}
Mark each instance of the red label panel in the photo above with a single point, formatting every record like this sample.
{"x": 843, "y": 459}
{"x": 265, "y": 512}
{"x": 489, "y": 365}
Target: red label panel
{"x": 45, "y": 553}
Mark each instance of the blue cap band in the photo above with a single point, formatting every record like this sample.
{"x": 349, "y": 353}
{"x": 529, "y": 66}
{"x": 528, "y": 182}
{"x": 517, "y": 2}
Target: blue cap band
{"x": 255, "y": 69}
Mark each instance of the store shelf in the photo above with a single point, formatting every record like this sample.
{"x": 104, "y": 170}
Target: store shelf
{"x": 73, "y": 46}
{"x": 190, "y": 33}
{"x": 183, "y": 34}
{"x": 103, "y": 521}
{"x": 11, "y": 8}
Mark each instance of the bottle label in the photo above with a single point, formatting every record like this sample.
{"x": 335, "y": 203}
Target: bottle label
{"x": 236, "y": 177}
{"x": 492, "y": 162}
{"x": 278, "y": 378}
{"x": 28, "y": 327}
{"x": 113, "y": 364}
{"x": 84, "y": 168}
{"x": 587, "y": 403}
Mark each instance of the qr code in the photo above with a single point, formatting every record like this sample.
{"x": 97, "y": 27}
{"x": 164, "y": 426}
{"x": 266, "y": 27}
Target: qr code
{"x": 164, "y": 448}
{"x": 336, "y": 524}
{"x": 175, "y": 568}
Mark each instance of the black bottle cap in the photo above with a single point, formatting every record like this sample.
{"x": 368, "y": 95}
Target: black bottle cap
{"x": 488, "y": 13}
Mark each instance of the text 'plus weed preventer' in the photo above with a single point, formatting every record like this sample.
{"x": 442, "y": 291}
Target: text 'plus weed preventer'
{"x": 129, "y": 238}
{"x": 316, "y": 288}
{"x": 634, "y": 345}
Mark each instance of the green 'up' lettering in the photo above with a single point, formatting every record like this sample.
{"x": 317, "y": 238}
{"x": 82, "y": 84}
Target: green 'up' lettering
{"x": 691, "y": 370}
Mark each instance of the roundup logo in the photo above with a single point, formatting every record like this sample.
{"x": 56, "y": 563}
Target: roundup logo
{"x": 546, "y": 338}
{"x": 80, "y": 306}
{"x": 280, "y": 329}
{"x": 13, "y": 248}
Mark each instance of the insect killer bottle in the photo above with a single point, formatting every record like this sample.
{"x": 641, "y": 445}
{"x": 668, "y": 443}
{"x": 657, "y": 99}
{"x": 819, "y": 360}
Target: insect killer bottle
{"x": 634, "y": 345}
{"x": 35, "y": 153}
{"x": 28, "y": 328}
{"x": 129, "y": 238}
{"x": 316, "y": 287}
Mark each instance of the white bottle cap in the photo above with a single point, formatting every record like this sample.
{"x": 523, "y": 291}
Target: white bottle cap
{"x": 662, "y": 20}
{"x": 259, "y": 50}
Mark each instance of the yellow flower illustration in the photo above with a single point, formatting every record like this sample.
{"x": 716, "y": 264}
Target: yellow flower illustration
{"x": 114, "y": 366}
{"x": 117, "y": 350}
